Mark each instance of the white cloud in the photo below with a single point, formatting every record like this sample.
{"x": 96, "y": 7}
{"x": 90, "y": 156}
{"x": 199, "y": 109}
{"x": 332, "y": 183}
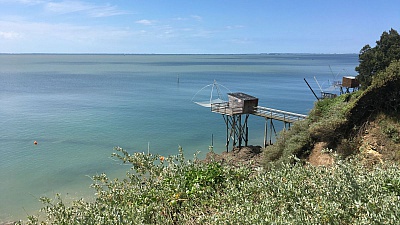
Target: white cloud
{"x": 234, "y": 27}
{"x": 24, "y": 2}
{"x": 59, "y": 32}
{"x": 197, "y": 17}
{"x": 145, "y": 22}
{"x": 72, "y": 6}
{"x": 91, "y": 10}
{"x": 10, "y": 35}
{"x": 241, "y": 41}
{"x": 180, "y": 19}
{"x": 203, "y": 33}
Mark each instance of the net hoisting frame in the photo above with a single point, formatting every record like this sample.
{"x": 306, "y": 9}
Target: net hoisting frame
{"x": 219, "y": 98}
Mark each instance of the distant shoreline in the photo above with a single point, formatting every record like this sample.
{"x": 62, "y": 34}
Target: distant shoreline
{"x": 141, "y": 54}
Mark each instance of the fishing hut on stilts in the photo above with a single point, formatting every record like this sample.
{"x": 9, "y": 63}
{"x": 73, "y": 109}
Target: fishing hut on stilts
{"x": 236, "y": 112}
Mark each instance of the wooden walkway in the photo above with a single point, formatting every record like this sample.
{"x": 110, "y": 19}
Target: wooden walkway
{"x": 236, "y": 127}
{"x": 276, "y": 114}
{"x": 268, "y": 113}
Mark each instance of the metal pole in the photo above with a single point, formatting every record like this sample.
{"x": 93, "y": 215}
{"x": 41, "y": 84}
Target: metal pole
{"x": 311, "y": 89}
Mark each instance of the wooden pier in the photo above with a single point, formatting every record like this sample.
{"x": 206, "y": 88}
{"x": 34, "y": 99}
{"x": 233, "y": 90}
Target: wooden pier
{"x": 276, "y": 114}
{"x": 236, "y": 113}
{"x": 268, "y": 113}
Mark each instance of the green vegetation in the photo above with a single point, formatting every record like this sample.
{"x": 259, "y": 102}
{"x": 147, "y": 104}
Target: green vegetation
{"x": 388, "y": 136}
{"x": 391, "y": 131}
{"x": 176, "y": 191}
{"x": 338, "y": 122}
{"x": 323, "y": 124}
{"x": 375, "y": 59}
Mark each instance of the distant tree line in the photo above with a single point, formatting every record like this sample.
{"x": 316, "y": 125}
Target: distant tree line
{"x": 376, "y": 59}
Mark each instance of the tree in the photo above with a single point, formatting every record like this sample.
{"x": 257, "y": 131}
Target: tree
{"x": 376, "y": 59}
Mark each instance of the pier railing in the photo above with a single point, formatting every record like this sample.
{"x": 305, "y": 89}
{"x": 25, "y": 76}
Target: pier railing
{"x": 269, "y": 113}
{"x": 223, "y": 108}
{"x": 238, "y": 131}
{"x": 276, "y": 114}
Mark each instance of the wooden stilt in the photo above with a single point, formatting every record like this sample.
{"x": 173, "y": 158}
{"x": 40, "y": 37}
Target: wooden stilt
{"x": 236, "y": 130}
{"x": 265, "y": 133}
{"x": 271, "y": 125}
{"x": 237, "y": 111}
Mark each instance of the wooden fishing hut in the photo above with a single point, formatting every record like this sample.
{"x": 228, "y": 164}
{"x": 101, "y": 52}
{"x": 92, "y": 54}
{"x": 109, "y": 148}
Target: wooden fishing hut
{"x": 349, "y": 82}
{"x": 236, "y": 113}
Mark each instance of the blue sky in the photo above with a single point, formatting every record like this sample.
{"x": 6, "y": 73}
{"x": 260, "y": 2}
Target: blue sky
{"x": 194, "y": 26}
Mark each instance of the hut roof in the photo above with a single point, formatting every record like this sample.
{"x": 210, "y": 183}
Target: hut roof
{"x": 242, "y": 96}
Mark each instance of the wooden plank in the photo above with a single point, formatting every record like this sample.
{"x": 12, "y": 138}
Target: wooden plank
{"x": 269, "y": 113}
{"x": 277, "y": 114}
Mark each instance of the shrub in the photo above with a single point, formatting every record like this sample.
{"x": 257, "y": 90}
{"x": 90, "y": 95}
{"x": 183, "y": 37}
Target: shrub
{"x": 296, "y": 141}
{"x": 375, "y": 59}
{"x": 324, "y": 123}
{"x": 339, "y": 121}
{"x": 176, "y": 191}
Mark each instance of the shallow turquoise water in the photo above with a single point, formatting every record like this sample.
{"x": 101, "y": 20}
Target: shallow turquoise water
{"x": 78, "y": 107}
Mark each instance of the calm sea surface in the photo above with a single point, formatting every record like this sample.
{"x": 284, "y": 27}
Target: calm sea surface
{"x": 78, "y": 107}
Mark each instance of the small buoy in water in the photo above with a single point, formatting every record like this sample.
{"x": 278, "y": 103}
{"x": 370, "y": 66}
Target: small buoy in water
{"x": 35, "y": 142}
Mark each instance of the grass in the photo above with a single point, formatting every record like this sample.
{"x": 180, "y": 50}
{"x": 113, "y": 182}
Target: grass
{"x": 323, "y": 124}
{"x": 386, "y": 131}
{"x": 173, "y": 190}
{"x": 391, "y": 129}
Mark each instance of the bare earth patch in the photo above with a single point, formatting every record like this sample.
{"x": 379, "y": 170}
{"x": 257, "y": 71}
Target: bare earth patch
{"x": 371, "y": 148}
{"x": 318, "y": 157}
{"x": 249, "y": 156}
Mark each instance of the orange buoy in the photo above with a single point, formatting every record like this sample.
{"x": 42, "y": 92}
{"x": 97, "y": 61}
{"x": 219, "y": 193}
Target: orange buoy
{"x": 35, "y": 142}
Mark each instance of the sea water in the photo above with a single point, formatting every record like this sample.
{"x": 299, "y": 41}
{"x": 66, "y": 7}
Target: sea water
{"x": 78, "y": 107}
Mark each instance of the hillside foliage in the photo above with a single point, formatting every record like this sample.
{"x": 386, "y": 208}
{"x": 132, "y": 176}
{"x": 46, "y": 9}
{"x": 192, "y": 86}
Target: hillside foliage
{"x": 375, "y": 59}
{"x": 173, "y": 190}
{"x": 339, "y": 121}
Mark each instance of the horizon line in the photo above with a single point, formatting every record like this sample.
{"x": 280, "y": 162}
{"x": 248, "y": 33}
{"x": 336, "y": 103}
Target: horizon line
{"x": 264, "y": 53}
